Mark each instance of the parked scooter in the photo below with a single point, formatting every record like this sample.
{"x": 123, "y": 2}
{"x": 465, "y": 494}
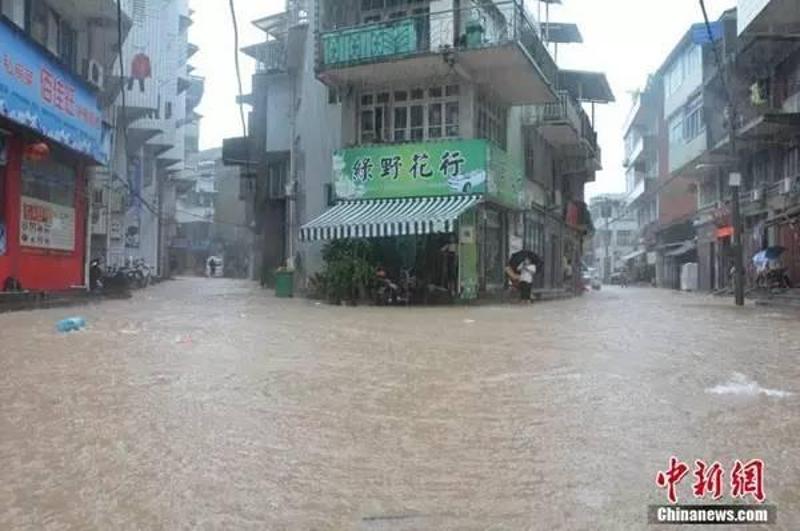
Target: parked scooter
{"x": 114, "y": 279}
{"x": 388, "y": 292}
{"x": 141, "y": 273}
{"x": 770, "y": 272}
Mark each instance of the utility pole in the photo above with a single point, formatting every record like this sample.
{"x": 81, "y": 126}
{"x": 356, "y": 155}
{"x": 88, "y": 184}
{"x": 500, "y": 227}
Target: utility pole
{"x": 734, "y": 182}
{"x": 734, "y": 177}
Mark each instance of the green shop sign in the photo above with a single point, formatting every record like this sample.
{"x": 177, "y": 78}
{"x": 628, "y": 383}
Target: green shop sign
{"x": 411, "y": 170}
{"x": 371, "y": 42}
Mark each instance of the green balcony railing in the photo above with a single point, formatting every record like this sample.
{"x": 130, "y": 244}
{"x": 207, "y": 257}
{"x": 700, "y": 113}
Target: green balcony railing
{"x": 491, "y": 24}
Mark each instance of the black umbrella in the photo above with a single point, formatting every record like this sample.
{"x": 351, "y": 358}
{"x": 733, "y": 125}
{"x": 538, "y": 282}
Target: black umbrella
{"x": 774, "y": 252}
{"x": 520, "y": 256}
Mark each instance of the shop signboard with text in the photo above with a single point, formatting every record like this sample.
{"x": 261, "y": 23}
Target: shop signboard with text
{"x": 46, "y": 225}
{"x": 411, "y": 170}
{"x": 39, "y": 93}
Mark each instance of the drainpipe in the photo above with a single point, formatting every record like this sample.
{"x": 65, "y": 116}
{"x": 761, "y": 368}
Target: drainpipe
{"x": 87, "y": 230}
{"x": 160, "y": 227}
{"x": 292, "y": 184}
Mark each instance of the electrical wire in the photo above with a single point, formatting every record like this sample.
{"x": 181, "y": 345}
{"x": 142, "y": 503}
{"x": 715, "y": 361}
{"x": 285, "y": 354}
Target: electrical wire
{"x": 245, "y": 138}
{"x": 237, "y": 66}
{"x": 718, "y": 61}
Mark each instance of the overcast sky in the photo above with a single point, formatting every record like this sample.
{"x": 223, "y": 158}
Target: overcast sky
{"x": 627, "y": 39}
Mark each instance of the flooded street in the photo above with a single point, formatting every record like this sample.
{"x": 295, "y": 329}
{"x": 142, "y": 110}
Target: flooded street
{"x": 213, "y": 405}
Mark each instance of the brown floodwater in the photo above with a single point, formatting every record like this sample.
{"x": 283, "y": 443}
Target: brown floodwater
{"x": 210, "y": 404}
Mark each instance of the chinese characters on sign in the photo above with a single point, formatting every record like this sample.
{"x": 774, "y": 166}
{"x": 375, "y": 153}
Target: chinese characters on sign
{"x": 745, "y": 479}
{"x": 450, "y": 166}
{"x": 390, "y": 167}
{"x": 370, "y": 42}
{"x": 60, "y": 94}
{"x": 40, "y": 94}
{"x": 46, "y": 225}
{"x": 451, "y": 163}
{"x": 408, "y": 170}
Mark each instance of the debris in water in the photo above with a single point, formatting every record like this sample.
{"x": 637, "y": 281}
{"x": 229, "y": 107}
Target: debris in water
{"x": 71, "y": 324}
{"x": 741, "y": 385}
{"x": 183, "y": 340}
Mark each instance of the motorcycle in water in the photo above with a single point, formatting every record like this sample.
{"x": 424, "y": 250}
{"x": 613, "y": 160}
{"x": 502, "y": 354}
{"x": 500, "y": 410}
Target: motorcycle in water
{"x": 114, "y": 280}
{"x": 770, "y": 273}
{"x": 388, "y": 292}
{"x": 141, "y": 273}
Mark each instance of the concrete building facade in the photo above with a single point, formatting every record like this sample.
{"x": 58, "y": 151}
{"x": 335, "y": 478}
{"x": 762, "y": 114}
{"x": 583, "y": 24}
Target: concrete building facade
{"x": 56, "y": 113}
{"x": 334, "y": 112}
{"x": 615, "y": 235}
{"x": 153, "y": 114}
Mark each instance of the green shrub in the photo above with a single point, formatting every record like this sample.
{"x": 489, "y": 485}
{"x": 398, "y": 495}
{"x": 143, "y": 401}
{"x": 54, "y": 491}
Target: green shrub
{"x": 349, "y": 270}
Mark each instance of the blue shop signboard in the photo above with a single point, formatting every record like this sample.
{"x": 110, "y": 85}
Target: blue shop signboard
{"x": 39, "y": 93}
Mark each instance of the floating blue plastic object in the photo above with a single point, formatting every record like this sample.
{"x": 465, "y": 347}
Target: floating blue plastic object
{"x": 71, "y": 324}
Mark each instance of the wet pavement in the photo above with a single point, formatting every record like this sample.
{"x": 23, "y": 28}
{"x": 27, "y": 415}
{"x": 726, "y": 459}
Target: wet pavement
{"x": 209, "y": 404}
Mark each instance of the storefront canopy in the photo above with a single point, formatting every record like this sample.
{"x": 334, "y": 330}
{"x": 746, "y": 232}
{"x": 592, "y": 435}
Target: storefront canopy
{"x": 377, "y": 218}
{"x": 634, "y": 254}
{"x": 681, "y": 249}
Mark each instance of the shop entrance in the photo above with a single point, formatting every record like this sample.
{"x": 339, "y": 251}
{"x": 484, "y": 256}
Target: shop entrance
{"x": 426, "y": 266}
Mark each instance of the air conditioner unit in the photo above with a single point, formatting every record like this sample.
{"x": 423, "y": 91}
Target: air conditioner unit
{"x": 756, "y": 194}
{"x": 95, "y": 74}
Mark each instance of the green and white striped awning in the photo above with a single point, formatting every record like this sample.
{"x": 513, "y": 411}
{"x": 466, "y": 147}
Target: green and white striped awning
{"x": 376, "y": 218}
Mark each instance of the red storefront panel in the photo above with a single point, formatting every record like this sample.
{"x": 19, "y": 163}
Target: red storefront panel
{"x": 36, "y": 268}
{"x": 789, "y": 237}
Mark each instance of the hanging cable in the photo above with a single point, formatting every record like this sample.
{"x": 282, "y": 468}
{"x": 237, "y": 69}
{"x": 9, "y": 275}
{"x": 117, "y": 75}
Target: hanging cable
{"x": 237, "y": 66}
{"x": 245, "y": 138}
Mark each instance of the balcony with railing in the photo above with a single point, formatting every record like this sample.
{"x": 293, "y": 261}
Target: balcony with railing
{"x": 638, "y": 182}
{"x": 272, "y": 58}
{"x": 765, "y": 114}
{"x": 562, "y": 123}
{"x": 498, "y": 44}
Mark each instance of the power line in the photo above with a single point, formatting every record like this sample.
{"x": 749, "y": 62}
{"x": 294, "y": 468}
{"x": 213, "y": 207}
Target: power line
{"x": 237, "y": 66}
{"x": 736, "y": 238}
{"x": 245, "y": 138}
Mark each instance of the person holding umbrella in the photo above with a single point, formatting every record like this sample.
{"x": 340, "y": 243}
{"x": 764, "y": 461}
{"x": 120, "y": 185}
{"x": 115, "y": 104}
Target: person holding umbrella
{"x": 513, "y": 269}
{"x": 526, "y": 271}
